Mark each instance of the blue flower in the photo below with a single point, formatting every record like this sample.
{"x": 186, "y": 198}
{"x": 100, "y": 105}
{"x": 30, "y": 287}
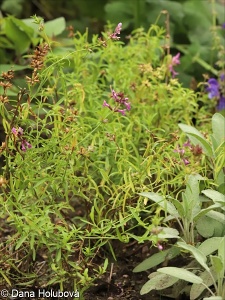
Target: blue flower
{"x": 221, "y": 104}
{"x": 213, "y": 88}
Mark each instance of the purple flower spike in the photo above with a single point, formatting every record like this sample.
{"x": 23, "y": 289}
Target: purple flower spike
{"x": 221, "y": 104}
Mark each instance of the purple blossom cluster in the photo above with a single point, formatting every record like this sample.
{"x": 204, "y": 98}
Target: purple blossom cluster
{"x": 196, "y": 150}
{"x": 18, "y": 133}
{"x": 120, "y": 100}
{"x": 214, "y": 90}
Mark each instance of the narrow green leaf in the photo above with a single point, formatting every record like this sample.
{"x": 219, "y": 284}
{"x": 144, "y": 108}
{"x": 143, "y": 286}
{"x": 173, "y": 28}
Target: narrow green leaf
{"x": 20, "y": 241}
{"x": 5, "y": 277}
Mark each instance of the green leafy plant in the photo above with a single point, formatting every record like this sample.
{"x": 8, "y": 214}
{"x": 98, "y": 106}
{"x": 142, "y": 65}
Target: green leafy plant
{"x": 189, "y": 214}
{"x": 92, "y": 123}
{"x": 71, "y": 159}
{"x": 206, "y": 275}
{"x": 199, "y": 211}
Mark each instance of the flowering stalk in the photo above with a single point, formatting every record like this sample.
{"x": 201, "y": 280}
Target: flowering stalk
{"x": 114, "y": 35}
{"x": 121, "y": 102}
{"x": 175, "y": 61}
{"x": 18, "y": 135}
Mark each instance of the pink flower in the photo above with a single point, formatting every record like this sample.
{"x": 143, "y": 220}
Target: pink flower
{"x": 122, "y": 111}
{"x": 187, "y": 144}
{"x": 105, "y": 104}
{"x": 114, "y": 36}
{"x": 186, "y": 162}
{"x": 25, "y": 145}
{"x": 17, "y": 132}
{"x": 14, "y": 131}
{"x": 160, "y": 247}
{"x": 118, "y": 28}
{"x": 128, "y": 105}
{"x": 178, "y": 150}
{"x": 120, "y": 100}
{"x": 175, "y": 61}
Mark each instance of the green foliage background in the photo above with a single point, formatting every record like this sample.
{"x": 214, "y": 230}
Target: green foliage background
{"x": 191, "y": 29}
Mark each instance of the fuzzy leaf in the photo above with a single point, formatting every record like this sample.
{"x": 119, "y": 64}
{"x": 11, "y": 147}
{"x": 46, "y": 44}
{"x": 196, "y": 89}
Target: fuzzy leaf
{"x": 198, "y": 255}
{"x": 214, "y": 195}
{"x": 210, "y": 245}
{"x": 221, "y": 252}
{"x": 213, "y": 298}
{"x": 165, "y": 204}
{"x": 197, "y": 289}
{"x": 181, "y": 274}
{"x": 217, "y": 264}
{"x": 204, "y": 227}
{"x": 197, "y": 138}
{"x": 216, "y": 216}
{"x": 158, "y": 282}
{"x": 204, "y": 211}
{"x": 168, "y": 233}
{"x": 157, "y": 259}
{"x": 218, "y": 122}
